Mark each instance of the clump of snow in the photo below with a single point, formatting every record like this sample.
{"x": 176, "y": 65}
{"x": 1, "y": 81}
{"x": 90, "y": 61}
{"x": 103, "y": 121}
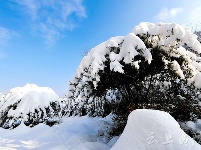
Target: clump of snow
{"x": 191, "y": 125}
{"x": 176, "y": 67}
{"x": 153, "y": 130}
{"x": 198, "y": 80}
{"x": 194, "y": 126}
{"x": 169, "y": 33}
{"x": 28, "y": 102}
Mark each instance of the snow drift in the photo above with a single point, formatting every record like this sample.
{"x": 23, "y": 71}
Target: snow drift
{"x": 30, "y": 104}
{"x": 153, "y": 130}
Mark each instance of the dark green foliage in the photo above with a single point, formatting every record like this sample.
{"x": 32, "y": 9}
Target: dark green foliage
{"x": 4, "y": 119}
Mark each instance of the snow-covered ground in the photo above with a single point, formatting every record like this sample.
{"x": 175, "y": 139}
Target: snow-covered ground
{"x": 145, "y": 130}
{"x": 75, "y": 133}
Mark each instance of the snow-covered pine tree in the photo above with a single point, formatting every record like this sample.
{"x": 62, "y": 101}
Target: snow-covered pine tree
{"x": 156, "y": 66}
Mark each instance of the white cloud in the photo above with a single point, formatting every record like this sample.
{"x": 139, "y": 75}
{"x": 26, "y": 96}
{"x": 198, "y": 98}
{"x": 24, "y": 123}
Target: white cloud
{"x": 168, "y": 14}
{"x": 187, "y": 14}
{"x": 50, "y": 18}
{"x": 5, "y": 35}
{"x": 31, "y": 7}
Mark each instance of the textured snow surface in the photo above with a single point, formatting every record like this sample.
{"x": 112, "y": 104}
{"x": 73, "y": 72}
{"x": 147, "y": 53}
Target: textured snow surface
{"x": 153, "y": 130}
{"x": 145, "y": 130}
{"x": 74, "y": 133}
{"x": 1, "y": 98}
{"x": 169, "y": 32}
{"x": 1, "y": 95}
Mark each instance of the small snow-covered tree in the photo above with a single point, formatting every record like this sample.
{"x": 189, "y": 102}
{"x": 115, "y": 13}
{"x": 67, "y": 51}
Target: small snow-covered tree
{"x": 156, "y": 66}
{"x": 30, "y": 105}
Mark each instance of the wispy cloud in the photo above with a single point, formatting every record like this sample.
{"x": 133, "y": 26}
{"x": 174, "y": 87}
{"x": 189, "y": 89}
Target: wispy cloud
{"x": 188, "y": 14}
{"x": 5, "y": 36}
{"x": 50, "y": 18}
{"x": 168, "y": 14}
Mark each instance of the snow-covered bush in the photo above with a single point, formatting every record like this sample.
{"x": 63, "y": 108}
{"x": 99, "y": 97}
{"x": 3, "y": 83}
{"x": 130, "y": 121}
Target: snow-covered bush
{"x": 156, "y": 66}
{"x": 31, "y": 105}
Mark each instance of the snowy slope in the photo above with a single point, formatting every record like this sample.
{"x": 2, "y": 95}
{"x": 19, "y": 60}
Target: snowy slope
{"x": 29, "y": 103}
{"x": 75, "y": 133}
{"x": 153, "y": 130}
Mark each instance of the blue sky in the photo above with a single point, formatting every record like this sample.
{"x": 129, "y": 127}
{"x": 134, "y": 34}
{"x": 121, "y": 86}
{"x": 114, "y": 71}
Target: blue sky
{"x": 43, "y": 41}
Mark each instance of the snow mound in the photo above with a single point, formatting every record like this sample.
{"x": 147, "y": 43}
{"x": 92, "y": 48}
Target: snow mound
{"x": 29, "y": 104}
{"x": 153, "y": 130}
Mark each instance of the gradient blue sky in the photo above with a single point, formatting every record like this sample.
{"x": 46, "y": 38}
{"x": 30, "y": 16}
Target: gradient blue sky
{"x": 42, "y": 41}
